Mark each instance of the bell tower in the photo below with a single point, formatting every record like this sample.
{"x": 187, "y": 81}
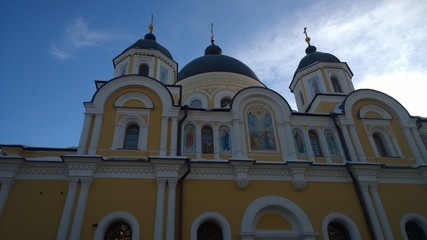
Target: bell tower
{"x": 320, "y": 81}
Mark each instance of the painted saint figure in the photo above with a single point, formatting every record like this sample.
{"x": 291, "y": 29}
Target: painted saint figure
{"x": 189, "y": 138}
{"x": 225, "y": 139}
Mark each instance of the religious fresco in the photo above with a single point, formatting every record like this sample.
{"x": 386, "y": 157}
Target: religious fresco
{"x": 332, "y": 144}
{"x": 315, "y": 86}
{"x": 225, "y": 139}
{"x": 260, "y": 129}
{"x": 189, "y": 138}
{"x": 299, "y": 142}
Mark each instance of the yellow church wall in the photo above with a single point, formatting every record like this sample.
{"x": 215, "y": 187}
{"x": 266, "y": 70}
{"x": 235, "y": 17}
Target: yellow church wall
{"x": 135, "y": 196}
{"x": 317, "y": 200}
{"x": 273, "y": 221}
{"x": 401, "y": 199}
{"x": 33, "y": 209}
{"x": 134, "y": 103}
{"x": 326, "y": 107}
{"x": 109, "y": 120}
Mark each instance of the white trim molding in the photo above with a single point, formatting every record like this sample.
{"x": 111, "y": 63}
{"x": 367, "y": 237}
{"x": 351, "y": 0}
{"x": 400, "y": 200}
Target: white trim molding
{"x": 418, "y": 219}
{"x": 301, "y": 225}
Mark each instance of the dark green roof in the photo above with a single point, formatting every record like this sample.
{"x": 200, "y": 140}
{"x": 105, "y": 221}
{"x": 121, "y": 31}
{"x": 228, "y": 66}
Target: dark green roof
{"x": 313, "y": 56}
{"x": 149, "y": 42}
{"x": 215, "y": 63}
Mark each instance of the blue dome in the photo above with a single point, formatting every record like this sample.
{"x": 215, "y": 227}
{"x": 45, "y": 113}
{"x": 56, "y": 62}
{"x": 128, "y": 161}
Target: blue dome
{"x": 313, "y": 57}
{"x": 215, "y": 63}
{"x": 149, "y": 42}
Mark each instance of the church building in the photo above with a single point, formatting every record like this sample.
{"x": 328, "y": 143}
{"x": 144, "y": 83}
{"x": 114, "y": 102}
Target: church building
{"x": 209, "y": 152}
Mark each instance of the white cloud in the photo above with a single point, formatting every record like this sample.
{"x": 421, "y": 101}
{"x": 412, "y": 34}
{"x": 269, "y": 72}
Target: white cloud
{"x": 78, "y": 35}
{"x": 60, "y": 54}
{"x": 382, "y": 42}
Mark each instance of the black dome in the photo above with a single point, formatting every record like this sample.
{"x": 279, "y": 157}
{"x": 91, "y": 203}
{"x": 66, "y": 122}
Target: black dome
{"x": 313, "y": 56}
{"x": 149, "y": 42}
{"x": 215, "y": 63}
{"x": 213, "y": 49}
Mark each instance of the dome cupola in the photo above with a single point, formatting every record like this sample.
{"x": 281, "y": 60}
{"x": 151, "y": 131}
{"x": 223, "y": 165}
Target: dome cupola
{"x": 215, "y": 61}
{"x": 319, "y": 76}
{"x": 147, "y": 57}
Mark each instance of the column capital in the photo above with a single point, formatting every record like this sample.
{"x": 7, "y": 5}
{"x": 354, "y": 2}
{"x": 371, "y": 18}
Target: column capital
{"x": 72, "y": 182}
{"x": 172, "y": 182}
{"x": 86, "y": 181}
{"x": 6, "y": 182}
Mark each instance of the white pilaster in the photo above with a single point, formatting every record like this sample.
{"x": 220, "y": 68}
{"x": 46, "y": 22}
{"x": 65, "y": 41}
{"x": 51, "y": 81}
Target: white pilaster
{"x": 170, "y": 222}
{"x": 349, "y": 143}
{"x": 95, "y": 134}
{"x": 66, "y": 212}
{"x": 84, "y": 135}
{"x": 160, "y": 201}
{"x": 173, "y": 137}
{"x": 216, "y": 142}
{"x": 236, "y": 146}
{"x": 163, "y": 136}
{"x": 371, "y": 212}
{"x": 290, "y": 146}
{"x": 310, "y": 152}
{"x": 412, "y": 145}
{"x": 81, "y": 207}
{"x": 381, "y": 212}
{"x": 282, "y": 141}
{"x": 325, "y": 148}
{"x": 359, "y": 150}
{"x": 6, "y": 184}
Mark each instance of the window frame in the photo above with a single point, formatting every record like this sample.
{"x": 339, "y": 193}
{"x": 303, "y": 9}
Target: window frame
{"x": 313, "y": 137}
{"x": 147, "y": 69}
{"x": 137, "y": 128}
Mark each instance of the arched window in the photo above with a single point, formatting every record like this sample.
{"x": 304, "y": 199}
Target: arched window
{"x": 381, "y": 146}
{"x": 196, "y": 103}
{"x": 299, "y": 141}
{"x": 209, "y": 231}
{"x": 225, "y": 101}
{"x": 207, "y": 140}
{"x": 315, "y": 144}
{"x": 336, "y": 85}
{"x": 143, "y": 70}
{"x": 118, "y": 231}
{"x": 414, "y": 231}
{"x": 131, "y": 137}
{"x": 337, "y": 231}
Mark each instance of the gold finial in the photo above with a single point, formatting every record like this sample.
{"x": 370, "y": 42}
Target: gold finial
{"x": 212, "y": 35}
{"x": 151, "y": 26}
{"x": 307, "y": 39}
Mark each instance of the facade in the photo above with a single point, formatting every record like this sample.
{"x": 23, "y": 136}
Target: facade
{"x": 209, "y": 152}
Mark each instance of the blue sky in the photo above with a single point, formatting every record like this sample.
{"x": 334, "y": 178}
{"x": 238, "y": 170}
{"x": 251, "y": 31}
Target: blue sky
{"x": 52, "y": 51}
